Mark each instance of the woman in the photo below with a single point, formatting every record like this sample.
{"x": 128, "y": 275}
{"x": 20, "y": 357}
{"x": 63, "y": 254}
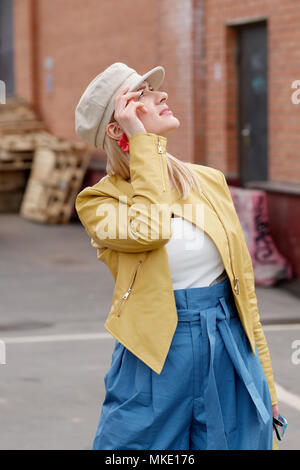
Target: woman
{"x": 191, "y": 367}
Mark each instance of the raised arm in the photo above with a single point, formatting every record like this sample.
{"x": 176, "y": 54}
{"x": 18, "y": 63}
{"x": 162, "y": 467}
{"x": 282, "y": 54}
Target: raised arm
{"x": 146, "y": 224}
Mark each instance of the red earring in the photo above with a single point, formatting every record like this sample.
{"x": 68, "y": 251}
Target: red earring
{"x": 124, "y": 143}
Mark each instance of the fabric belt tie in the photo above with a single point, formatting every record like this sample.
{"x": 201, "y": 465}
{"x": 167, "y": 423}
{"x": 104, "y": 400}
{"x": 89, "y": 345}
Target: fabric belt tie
{"x": 211, "y": 319}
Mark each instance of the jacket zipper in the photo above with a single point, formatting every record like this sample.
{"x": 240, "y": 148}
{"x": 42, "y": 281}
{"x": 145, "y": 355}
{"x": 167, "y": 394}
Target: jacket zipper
{"x": 125, "y": 296}
{"x": 236, "y": 279}
{"x": 160, "y": 151}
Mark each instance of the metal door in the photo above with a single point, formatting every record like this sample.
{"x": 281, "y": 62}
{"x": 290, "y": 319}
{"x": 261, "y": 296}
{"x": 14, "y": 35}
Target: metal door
{"x": 252, "y": 102}
{"x": 6, "y": 45}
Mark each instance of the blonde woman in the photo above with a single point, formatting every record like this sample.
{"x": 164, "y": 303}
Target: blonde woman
{"x": 191, "y": 367}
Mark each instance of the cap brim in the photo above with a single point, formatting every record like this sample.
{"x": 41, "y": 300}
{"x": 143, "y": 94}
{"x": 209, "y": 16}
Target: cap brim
{"x": 154, "y": 77}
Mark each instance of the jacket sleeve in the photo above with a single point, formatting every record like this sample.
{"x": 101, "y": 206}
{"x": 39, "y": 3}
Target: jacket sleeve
{"x": 260, "y": 339}
{"x": 144, "y": 225}
{"x": 259, "y": 336}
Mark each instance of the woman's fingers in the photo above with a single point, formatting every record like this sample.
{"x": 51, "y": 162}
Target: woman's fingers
{"x": 124, "y": 94}
{"x": 128, "y": 110}
{"x": 134, "y": 105}
{"x": 124, "y": 103}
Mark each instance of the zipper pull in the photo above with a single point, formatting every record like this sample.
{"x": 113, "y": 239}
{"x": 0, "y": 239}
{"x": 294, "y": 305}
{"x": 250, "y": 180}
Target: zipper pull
{"x": 126, "y": 294}
{"x": 160, "y": 151}
{"x": 124, "y": 297}
{"x": 159, "y": 146}
{"x": 236, "y": 285}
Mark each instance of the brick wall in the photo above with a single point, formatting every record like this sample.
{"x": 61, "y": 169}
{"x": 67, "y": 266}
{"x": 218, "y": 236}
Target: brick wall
{"x": 85, "y": 38}
{"x": 283, "y": 20}
{"x": 23, "y": 49}
{"x": 191, "y": 40}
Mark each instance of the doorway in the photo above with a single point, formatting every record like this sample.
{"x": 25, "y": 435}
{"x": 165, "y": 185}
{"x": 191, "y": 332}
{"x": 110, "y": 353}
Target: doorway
{"x": 6, "y": 45}
{"x": 252, "y": 102}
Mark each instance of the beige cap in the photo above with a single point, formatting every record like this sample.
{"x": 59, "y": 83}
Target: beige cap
{"x": 96, "y": 106}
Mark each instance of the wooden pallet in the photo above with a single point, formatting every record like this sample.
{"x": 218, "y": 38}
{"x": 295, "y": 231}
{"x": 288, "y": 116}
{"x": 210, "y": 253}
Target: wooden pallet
{"x": 10, "y": 201}
{"x": 55, "y": 180}
{"x": 23, "y": 113}
{"x": 31, "y": 140}
{"x": 13, "y": 102}
{"x": 57, "y": 167}
{"x": 18, "y": 127}
{"x": 12, "y": 180}
{"x": 17, "y": 117}
{"x": 16, "y": 151}
{"x": 15, "y": 160}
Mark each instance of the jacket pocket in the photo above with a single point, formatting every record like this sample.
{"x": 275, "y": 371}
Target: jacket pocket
{"x": 127, "y": 293}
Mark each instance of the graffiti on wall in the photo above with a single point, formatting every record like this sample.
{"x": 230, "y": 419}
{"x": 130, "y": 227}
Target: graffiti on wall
{"x": 269, "y": 265}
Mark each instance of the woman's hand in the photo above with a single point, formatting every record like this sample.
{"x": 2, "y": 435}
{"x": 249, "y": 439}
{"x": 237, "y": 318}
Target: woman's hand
{"x": 275, "y": 411}
{"x": 125, "y": 112}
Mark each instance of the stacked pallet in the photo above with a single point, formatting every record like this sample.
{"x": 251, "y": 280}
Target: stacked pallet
{"x": 40, "y": 174}
{"x": 17, "y": 117}
{"x": 14, "y": 163}
{"x": 17, "y": 150}
{"x": 55, "y": 180}
{"x": 18, "y": 127}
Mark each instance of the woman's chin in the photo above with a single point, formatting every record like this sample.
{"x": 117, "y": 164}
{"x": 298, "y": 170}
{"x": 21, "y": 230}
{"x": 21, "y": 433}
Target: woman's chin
{"x": 166, "y": 128}
{"x": 175, "y": 124}
{"x": 178, "y": 123}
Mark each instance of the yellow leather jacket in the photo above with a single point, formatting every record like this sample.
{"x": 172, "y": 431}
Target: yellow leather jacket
{"x": 130, "y": 239}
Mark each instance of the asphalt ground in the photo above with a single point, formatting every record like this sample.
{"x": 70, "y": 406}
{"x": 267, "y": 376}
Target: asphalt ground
{"x": 55, "y": 296}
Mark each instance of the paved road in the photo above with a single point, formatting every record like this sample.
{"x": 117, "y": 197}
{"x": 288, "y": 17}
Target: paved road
{"x": 55, "y": 296}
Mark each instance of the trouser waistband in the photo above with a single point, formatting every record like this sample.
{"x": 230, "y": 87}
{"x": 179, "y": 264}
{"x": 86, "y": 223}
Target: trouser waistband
{"x": 190, "y": 301}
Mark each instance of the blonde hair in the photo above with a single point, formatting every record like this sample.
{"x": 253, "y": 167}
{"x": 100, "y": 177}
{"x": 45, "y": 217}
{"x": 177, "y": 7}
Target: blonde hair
{"x": 182, "y": 177}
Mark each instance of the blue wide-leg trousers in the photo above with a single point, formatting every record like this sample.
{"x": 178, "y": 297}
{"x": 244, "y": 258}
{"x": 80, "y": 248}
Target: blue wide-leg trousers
{"x": 211, "y": 394}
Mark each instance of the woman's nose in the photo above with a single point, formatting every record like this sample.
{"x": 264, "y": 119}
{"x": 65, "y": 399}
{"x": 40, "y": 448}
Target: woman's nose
{"x": 163, "y": 96}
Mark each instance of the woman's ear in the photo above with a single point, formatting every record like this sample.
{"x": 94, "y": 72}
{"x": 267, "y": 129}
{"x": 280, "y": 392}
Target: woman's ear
{"x": 114, "y": 130}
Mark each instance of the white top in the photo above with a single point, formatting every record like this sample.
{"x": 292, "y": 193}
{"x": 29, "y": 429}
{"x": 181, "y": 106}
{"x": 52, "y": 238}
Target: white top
{"x": 194, "y": 259}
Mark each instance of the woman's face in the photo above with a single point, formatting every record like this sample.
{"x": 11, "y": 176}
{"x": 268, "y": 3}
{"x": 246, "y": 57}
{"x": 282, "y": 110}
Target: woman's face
{"x": 157, "y": 118}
